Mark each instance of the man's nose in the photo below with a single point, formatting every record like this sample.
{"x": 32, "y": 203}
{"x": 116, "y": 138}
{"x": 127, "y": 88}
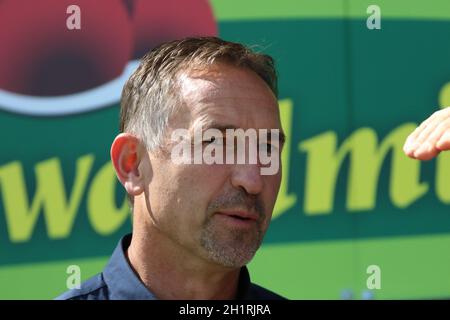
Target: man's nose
{"x": 248, "y": 177}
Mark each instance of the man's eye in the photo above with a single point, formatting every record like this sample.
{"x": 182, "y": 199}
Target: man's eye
{"x": 213, "y": 140}
{"x": 268, "y": 147}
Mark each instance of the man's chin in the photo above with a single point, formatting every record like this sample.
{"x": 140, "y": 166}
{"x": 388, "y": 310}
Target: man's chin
{"x": 231, "y": 248}
{"x": 231, "y": 262}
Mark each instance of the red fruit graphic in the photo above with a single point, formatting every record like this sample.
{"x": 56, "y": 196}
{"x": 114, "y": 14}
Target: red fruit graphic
{"x": 156, "y": 21}
{"x": 39, "y": 55}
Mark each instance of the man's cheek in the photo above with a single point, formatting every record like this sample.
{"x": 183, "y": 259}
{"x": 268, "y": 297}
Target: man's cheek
{"x": 273, "y": 184}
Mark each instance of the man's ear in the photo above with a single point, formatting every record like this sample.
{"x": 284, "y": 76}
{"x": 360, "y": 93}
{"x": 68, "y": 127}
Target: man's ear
{"x": 126, "y": 155}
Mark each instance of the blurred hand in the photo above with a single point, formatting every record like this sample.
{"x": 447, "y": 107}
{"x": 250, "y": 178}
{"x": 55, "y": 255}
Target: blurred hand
{"x": 430, "y": 138}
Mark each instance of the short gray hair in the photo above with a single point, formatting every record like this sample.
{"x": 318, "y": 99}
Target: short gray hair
{"x": 149, "y": 99}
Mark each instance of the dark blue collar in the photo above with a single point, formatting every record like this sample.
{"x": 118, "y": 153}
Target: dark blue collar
{"x": 123, "y": 283}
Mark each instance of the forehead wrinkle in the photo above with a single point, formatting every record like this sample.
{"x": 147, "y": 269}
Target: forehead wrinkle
{"x": 206, "y": 94}
{"x": 202, "y": 85}
{"x": 204, "y": 121}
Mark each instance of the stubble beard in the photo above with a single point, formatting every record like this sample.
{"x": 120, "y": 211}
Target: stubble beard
{"x": 230, "y": 247}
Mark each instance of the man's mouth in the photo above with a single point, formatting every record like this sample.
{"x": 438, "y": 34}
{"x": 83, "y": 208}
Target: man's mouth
{"x": 239, "y": 217}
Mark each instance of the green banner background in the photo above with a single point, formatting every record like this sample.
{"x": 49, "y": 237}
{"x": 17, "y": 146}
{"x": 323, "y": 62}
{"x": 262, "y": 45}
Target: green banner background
{"x": 348, "y": 96}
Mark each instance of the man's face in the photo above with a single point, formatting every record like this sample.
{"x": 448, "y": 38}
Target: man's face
{"x": 218, "y": 212}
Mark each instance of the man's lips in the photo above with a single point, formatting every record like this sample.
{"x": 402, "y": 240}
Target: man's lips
{"x": 240, "y": 214}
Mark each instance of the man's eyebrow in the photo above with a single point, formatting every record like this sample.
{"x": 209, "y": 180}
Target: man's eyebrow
{"x": 219, "y": 126}
{"x": 223, "y": 127}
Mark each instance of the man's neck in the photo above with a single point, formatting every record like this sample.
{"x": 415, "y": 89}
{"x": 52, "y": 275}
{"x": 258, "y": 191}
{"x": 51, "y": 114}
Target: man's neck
{"x": 171, "y": 272}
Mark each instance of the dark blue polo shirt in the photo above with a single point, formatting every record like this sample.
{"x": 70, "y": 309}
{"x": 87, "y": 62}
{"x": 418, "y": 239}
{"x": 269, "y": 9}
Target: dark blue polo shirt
{"x": 118, "y": 281}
